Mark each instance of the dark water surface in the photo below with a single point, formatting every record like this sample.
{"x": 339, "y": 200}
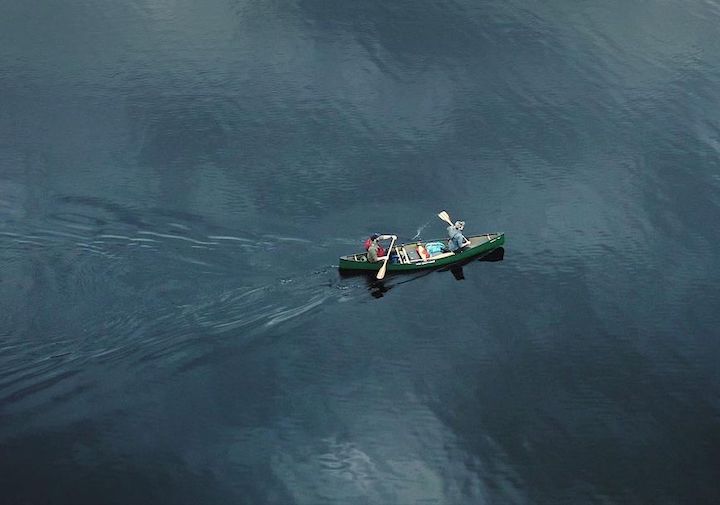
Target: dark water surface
{"x": 178, "y": 179}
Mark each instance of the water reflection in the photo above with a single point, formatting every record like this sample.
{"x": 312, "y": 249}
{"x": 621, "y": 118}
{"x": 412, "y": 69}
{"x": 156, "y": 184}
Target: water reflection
{"x": 378, "y": 288}
{"x": 457, "y": 269}
{"x": 458, "y": 273}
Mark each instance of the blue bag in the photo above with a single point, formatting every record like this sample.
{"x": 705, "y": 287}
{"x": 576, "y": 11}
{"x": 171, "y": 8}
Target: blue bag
{"x": 435, "y": 248}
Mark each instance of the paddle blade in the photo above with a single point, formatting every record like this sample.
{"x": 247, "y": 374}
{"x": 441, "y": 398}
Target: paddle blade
{"x": 445, "y": 217}
{"x": 381, "y": 272}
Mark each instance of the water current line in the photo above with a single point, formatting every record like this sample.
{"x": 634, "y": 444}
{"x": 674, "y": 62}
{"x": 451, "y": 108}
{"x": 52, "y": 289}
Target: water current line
{"x": 419, "y": 230}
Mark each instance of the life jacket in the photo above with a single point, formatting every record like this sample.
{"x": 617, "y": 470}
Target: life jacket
{"x": 380, "y": 251}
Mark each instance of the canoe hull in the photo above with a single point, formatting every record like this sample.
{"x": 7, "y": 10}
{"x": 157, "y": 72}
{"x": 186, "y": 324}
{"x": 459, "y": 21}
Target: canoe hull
{"x": 478, "y": 244}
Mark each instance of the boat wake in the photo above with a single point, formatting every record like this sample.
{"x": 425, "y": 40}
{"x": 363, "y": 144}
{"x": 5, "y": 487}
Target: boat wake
{"x": 151, "y": 293}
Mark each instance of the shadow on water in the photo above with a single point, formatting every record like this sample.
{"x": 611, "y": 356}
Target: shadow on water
{"x": 378, "y": 288}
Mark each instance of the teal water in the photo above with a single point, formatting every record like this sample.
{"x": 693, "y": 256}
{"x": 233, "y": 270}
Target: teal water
{"x": 178, "y": 180}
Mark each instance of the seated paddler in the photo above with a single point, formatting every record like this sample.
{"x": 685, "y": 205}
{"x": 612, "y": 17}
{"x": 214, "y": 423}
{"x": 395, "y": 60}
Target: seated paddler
{"x": 457, "y": 239}
{"x": 375, "y": 251}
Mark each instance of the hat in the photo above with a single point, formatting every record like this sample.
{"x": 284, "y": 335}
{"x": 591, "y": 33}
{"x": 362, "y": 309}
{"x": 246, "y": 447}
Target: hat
{"x": 374, "y": 236}
{"x": 459, "y": 225}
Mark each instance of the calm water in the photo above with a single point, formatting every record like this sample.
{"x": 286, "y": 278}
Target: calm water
{"x": 178, "y": 179}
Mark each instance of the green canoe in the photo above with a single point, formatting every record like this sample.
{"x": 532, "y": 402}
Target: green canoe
{"x": 410, "y": 260}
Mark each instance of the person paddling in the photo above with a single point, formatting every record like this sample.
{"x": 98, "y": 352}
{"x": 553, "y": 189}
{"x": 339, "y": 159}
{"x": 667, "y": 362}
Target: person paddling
{"x": 457, "y": 239}
{"x": 375, "y": 251}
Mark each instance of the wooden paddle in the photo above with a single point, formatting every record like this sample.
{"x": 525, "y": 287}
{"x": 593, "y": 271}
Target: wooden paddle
{"x": 444, "y": 216}
{"x": 383, "y": 268}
